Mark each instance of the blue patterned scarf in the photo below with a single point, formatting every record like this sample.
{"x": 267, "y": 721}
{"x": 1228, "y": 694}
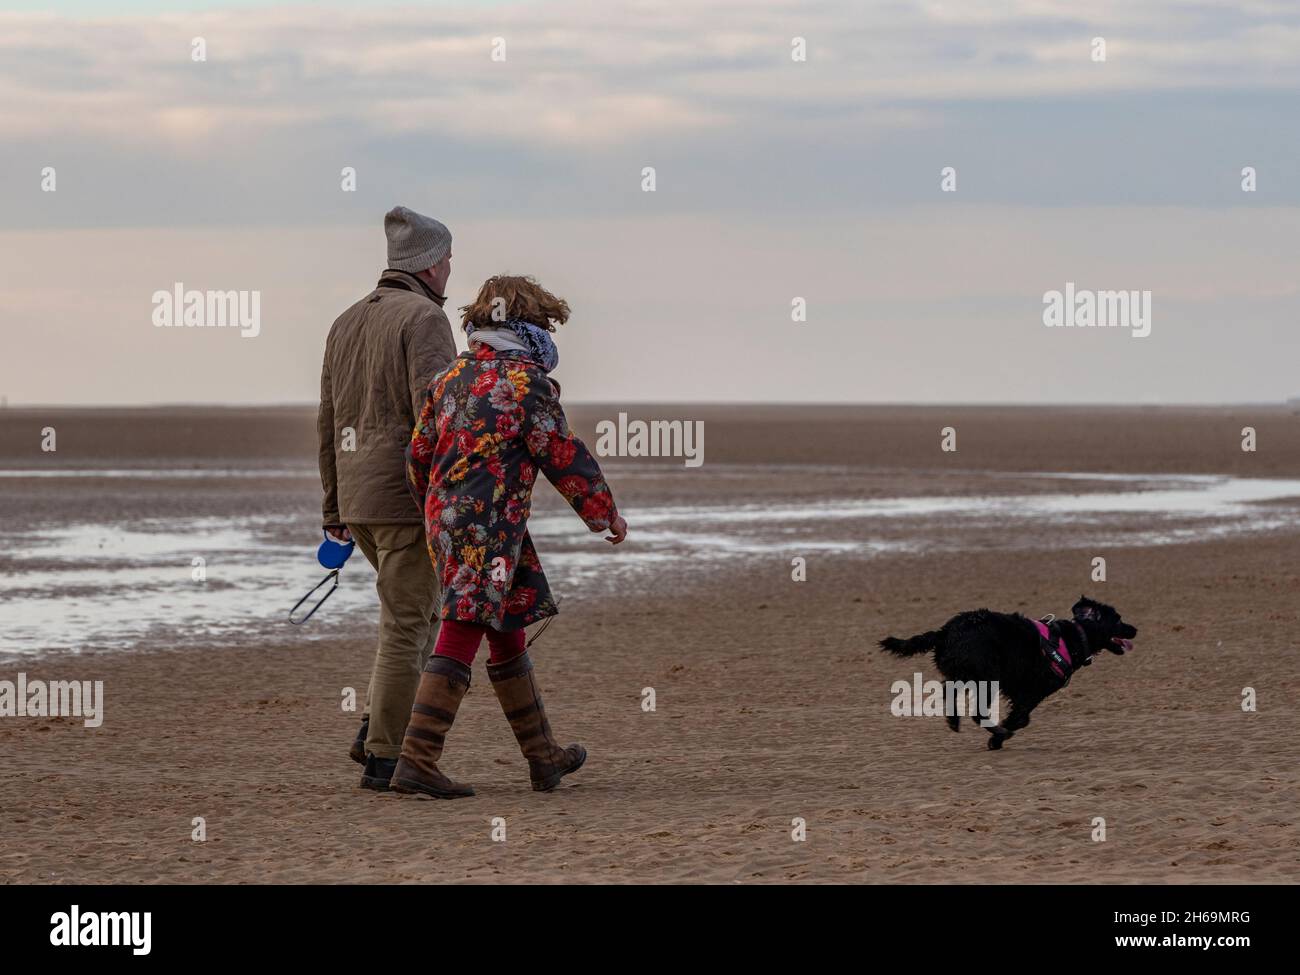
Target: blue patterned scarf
{"x": 541, "y": 347}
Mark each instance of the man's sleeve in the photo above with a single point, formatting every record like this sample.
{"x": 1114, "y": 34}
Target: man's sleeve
{"x": 325, "y": 456}
{"x": 419, "y": 452}
{"x": 429, "y": 350}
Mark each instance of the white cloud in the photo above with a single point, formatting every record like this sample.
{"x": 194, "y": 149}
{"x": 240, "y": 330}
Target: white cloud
{"x": 581, "y": 74}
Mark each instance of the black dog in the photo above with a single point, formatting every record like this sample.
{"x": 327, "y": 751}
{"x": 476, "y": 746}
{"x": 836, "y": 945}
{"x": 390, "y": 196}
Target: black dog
{"x": 1008, "y": 648}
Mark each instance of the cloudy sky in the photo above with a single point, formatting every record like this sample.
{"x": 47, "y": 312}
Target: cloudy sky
{"x": 775, "y": 179}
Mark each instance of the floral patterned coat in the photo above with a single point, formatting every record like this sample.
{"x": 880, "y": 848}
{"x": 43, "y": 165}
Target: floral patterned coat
{"x": 491, "y": 420}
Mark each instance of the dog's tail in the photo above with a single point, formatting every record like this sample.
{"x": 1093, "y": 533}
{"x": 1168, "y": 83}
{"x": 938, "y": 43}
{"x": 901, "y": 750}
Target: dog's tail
{"x": 912, "y": 645}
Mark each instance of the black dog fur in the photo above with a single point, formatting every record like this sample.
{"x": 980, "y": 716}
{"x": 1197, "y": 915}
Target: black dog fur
{"x": 982, "y": 645}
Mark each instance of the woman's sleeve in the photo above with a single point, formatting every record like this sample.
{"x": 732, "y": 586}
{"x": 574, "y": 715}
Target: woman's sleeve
{"x": 419, "y": 452}
{"x": 564, "y": 458}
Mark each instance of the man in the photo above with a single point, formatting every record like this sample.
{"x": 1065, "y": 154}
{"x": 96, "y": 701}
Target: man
{"x": 379, "y": 357}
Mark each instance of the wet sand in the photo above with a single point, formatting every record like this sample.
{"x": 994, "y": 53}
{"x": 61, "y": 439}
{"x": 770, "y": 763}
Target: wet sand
{"x": 771, "y": 702}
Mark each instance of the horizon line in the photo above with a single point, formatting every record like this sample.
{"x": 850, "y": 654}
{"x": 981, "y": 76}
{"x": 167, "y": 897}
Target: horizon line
{"x": 1291, "y": 403}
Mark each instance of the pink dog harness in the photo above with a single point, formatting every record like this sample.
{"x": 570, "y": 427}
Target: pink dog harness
{"x": 1058, "y": 657}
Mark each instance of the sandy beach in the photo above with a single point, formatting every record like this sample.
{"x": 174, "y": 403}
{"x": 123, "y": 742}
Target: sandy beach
{"x": 771, "y": 702}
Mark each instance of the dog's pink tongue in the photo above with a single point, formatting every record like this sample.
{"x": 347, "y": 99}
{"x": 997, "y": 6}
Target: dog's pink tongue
{"x": 1126, "y": 644}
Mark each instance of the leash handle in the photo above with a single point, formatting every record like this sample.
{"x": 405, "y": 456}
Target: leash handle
{"x": 540, "y": 630}
{"x": 332, "y": 575}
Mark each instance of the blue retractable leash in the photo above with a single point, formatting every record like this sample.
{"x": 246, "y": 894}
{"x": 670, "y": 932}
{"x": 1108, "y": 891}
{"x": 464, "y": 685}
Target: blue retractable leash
{"x": 331, "y": 554}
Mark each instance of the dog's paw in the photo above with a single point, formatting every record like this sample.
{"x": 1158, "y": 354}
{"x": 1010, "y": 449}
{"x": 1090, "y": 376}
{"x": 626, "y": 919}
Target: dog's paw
{"x": 954, "y": 722}
{"x": 995, "y": 742}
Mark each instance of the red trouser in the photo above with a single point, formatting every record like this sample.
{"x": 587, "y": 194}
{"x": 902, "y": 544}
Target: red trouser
{"x": 460, "y": 641}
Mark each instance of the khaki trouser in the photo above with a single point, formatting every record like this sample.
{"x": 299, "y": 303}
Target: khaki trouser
{"x": 408, "y": 627}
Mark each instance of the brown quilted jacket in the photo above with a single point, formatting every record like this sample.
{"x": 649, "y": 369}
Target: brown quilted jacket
{"x": 379, "y": 358}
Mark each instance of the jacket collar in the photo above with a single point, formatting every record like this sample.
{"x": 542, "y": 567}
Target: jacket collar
{"x": 406, "y": 281}
{"x": 479, "y": 351}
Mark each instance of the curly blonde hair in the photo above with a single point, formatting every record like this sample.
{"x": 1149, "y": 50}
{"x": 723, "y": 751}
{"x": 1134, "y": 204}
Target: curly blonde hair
{"x": 505, "y": 296}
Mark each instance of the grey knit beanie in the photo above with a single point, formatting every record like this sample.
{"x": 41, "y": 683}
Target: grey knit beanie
{"x": 415, "y": 242}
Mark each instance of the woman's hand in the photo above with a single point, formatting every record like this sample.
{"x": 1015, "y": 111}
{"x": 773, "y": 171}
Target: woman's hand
{"x": 618, "y": 528}
{"x": 339, "y": 534}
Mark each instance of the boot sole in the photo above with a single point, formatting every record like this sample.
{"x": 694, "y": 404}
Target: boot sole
{"x": 407, "y": 787}
{"x": 376, "y": 785}
{"x": 551, "y": 781}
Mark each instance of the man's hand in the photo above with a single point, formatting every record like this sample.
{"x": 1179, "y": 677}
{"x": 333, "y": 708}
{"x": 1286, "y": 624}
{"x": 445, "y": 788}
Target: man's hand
{"x": 618, "y": 528}
{"x": 339, "y": 534}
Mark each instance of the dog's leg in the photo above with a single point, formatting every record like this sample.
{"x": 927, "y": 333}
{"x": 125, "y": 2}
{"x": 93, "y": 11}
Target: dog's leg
{"x": 954, "y": 721}
{"x": 999, "y": 733}
{"x": 981, "y": 715}
{"x": 1017, "y": 719}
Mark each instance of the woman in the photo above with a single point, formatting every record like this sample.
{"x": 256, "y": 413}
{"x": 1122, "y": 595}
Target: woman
{"x": 491, "y": 421}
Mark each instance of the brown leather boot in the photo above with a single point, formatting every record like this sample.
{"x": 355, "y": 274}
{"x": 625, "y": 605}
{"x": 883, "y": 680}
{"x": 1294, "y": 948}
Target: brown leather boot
{"x": 442, "y": 687}
{"x": 358, "y": 750}
{"x": 522, "y": 703}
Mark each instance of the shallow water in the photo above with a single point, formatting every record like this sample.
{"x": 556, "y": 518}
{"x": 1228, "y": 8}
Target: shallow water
{"x": 88, "y": 585}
